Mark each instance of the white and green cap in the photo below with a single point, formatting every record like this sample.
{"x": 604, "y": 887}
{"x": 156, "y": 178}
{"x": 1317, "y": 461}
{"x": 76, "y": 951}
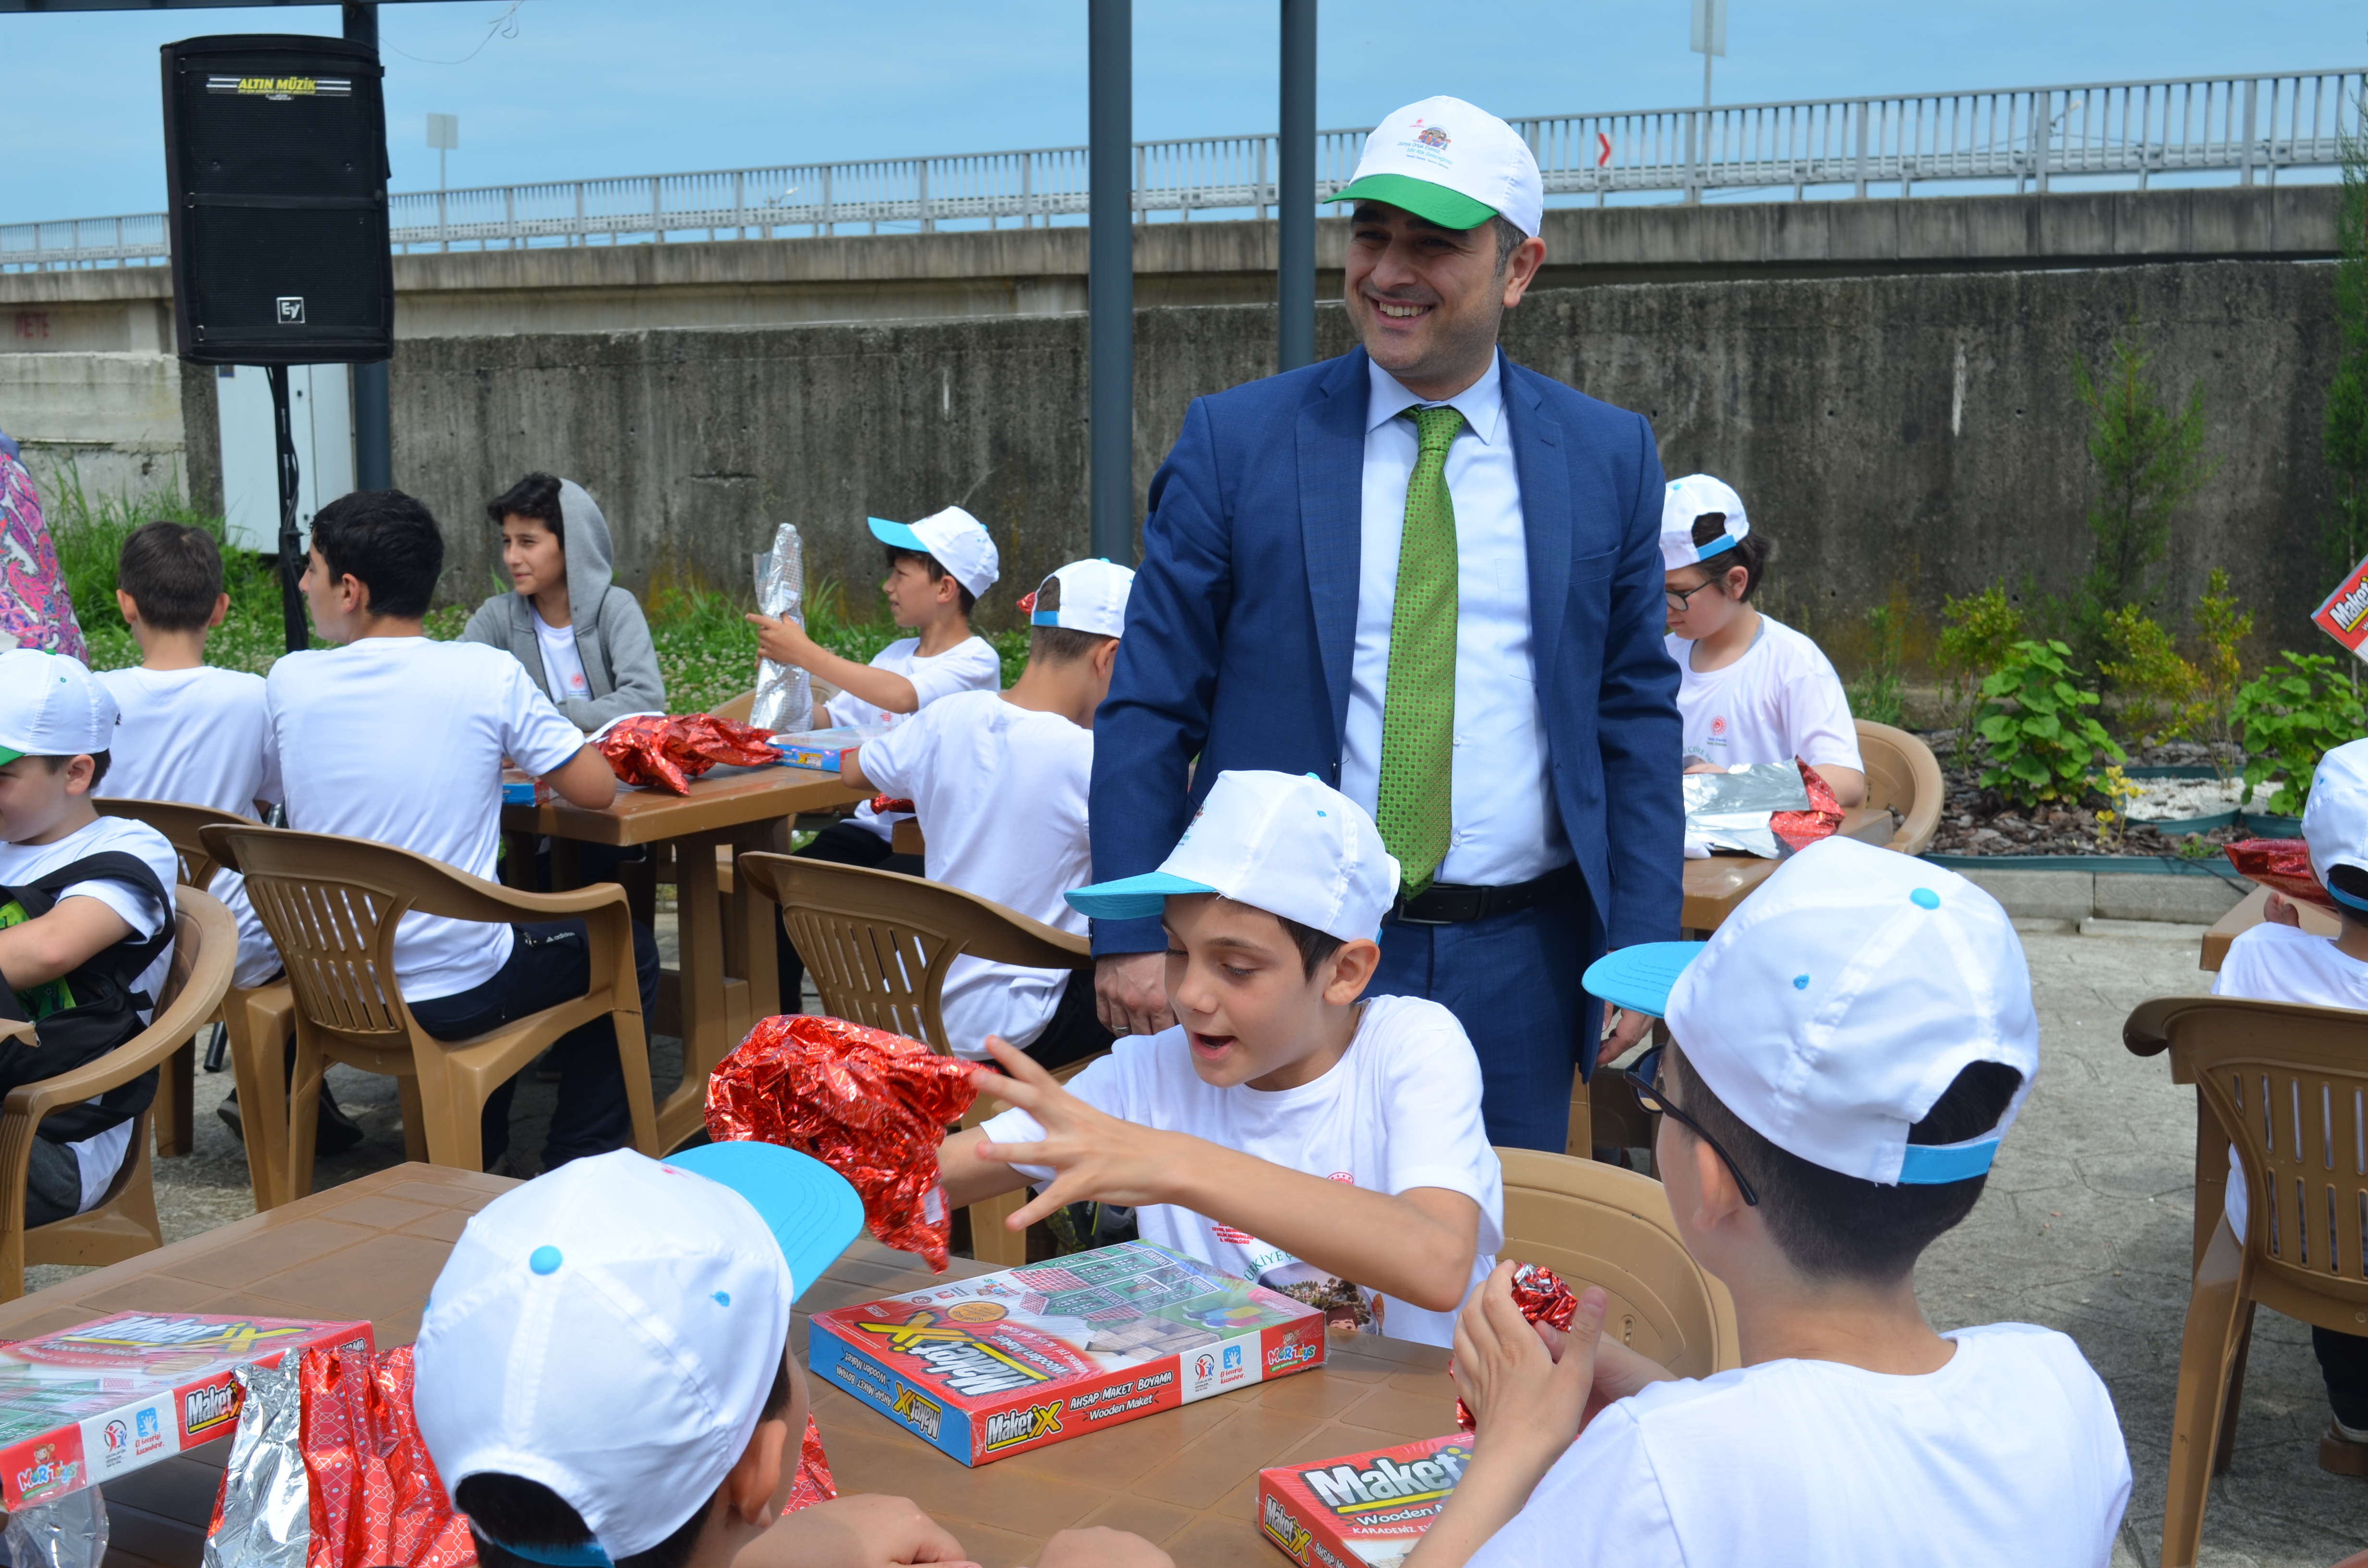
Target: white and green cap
{"x": 1451, "y": 163}
{"x": 51, "y": 706}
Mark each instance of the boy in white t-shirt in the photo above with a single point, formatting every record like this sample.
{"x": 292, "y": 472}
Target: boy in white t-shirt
{"x": 85, "y": 922}
{"x": 2279, "y": 961}
{"x": 998, "y": 780}
{"x": 1753, "y": 688}
{"x": 1284, "y": 1130}
{"x": 1845, "y": 1056}
{"x": 394, "y": 738}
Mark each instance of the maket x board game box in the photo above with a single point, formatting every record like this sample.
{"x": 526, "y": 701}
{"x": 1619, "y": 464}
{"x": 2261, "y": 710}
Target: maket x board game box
{"x": 92, "y": 1402}
{"x": 986, "y": 1367}
{"x": 1365, "y": 1511}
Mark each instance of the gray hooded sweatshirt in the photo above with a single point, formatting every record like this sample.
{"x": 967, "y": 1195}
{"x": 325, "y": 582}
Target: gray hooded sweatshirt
{"x": 620, "y": 664}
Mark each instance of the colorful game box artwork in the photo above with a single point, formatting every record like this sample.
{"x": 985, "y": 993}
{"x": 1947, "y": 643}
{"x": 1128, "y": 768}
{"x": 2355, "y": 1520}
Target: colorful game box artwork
{"x": 92, "y": 1402}
{"x": 1365, "y": 1511}
{"x": 984, "y": 1368}
{"x": 2344, "y": 616}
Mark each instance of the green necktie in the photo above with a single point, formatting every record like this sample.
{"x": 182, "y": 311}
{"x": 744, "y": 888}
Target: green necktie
{"x": 1419, "y": 708}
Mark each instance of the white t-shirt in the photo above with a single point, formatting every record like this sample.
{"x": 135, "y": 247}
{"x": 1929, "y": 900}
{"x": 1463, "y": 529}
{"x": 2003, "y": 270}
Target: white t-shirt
{"x": 965, "y": 761}
{"x": 1780, "y": 701}
{"x": 2011, "y": 1453}
{"x": 101, "y": 1154}
{"x": 1400, "y": 1110}
{"x": 2271, "y": 962}
{"x": 971, "y": 665}
{"x": 401, "y": 739}
{"x": 562, "y": 665}
{"x": 203, "y": 737}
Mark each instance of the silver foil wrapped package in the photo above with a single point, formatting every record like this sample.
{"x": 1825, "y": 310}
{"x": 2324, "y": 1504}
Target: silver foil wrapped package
{"x": 264, "y": 1519}
{"x": 68, "y": 1533}
{"x": 1729, "y": 810}
{"x": 784, "y": 692}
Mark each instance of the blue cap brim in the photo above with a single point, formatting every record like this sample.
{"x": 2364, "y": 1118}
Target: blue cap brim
{"x": 1637, "y": 979}
{"x": 901, "y": 535}
{"x": 1131, "y": 898}
{"x": 810, "y": 1207}
{"x": 1704, "y": 552}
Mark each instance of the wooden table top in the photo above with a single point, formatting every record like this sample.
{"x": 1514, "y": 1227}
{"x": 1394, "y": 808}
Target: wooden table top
{"x": 1716, "y": 886}
{"x": 2247, "y": 913}
{"x": 726, "y": 798}
{"x": 370, "y": 1249}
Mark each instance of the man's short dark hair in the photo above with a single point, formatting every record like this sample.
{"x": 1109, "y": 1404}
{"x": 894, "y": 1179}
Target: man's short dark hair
{"x": 99, "y": 762}
{"x": 531, "y": 1514}
{"x": 173, "y": 574}
{"x": 1834, "y": 1227}
{"x": 934, "y": 567}
{"x": 1063, "y": 645}
{"x": 1509, "y": 239}
{"x": 536, "y": 496}
{"x": 1752, "y": 552}
{"x": 388, "y": 542}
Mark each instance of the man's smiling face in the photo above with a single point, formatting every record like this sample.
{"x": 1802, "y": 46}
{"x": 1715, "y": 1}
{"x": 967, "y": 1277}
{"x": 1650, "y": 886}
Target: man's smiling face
{"x": 1425, "y": 300}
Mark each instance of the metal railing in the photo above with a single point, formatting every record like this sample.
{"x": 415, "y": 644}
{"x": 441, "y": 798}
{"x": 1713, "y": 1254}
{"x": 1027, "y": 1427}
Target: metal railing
{"x": 2250, "y": 128}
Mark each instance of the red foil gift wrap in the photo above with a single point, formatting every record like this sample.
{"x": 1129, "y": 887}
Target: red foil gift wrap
{"x": 2282, "y": 864}
{"x": 668, "y": 753}
{"x": 1542, "y": 1298}
{"x": 813, "y": 1482}
{"x": 871, "y": 1105}
{"x": 376, "y": 1499}
{"x": 883, "y": 804}
{"x": 1822, "y": 820}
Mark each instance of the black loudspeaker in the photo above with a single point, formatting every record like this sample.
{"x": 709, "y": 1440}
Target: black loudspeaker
{"x": 274, "y": 157}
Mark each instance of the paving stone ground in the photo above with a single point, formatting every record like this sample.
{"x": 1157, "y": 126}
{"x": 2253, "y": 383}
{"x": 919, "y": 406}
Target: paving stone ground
{"x": 2085, "y": 1228}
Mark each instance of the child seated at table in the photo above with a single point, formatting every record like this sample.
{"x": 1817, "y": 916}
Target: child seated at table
{"x": 85, "y": 922}
{"x": 1284, "y": 1130}
{"x": 397, "y": 739}
{"x": 1753, "y": 688}
{"x": 1844, "y": 1057}
{"x": 2279, "y": 961}
{"x": 998, "y": 781}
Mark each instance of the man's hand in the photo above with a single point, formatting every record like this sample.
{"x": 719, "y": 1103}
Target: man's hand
{"x": 1101, "y": 1547}
{"x": 1094, "y": 1155}
{"x": 1626, "y": 1028}
{"x": 865, "y": 1532}
{"x": 1130, "y": 993}
{"x": 783, "y": 641}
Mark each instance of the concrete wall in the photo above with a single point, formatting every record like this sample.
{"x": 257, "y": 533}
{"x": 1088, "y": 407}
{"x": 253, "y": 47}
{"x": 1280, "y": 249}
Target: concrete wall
{"x": 111, "y": 423}
{"x": 1902, "y": 438}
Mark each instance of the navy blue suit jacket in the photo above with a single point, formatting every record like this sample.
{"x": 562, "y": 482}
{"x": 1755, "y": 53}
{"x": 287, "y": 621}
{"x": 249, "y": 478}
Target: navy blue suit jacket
{"x": 1241, "y": 628}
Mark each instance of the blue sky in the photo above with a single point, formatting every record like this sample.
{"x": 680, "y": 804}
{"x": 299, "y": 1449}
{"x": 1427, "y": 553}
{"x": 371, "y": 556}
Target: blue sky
{"x": 595, "y": 87}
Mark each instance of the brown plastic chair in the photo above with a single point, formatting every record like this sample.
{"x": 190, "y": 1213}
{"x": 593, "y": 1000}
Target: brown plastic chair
{"x": 1597, "y": 1225}
{"x": 123, "y": 1224}
{"x": 332, "y": 904}
{"x": 2288, "y": 1086}
{"x": 878, "y": 946}
{"x": 1903, "y": 775}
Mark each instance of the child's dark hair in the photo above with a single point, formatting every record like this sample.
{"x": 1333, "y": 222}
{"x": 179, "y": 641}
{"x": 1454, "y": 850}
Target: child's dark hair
{"x": 1062, "y": 644}
{"x": 1315, "y": 947}
{"x": 1831, "y": 1226}
{"x": 1752, "y": 552}
{"x": 173, "y": 574}
{"x": 99, "y": 762}
{"x": 536, "y": 496}
{"x": 934, "y": 567}
{"x": 2351, "y": 881}
{"x": 387, "y": 542}
{"x": 531, "y": 1514}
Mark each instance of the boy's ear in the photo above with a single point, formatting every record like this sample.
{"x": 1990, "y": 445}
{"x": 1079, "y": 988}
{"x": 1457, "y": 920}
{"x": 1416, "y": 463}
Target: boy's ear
{"x": 1353, "y": 970}
{"x": 1105, "y": 659}
{"x": 749, "y": 1488}
{"x": 129, "y": 608}
{"x": 222, "y": 608}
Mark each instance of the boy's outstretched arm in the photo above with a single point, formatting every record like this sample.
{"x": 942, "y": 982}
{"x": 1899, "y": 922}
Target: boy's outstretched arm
{"x": 1417, "y": 1245}
{"x": 56, "y": 944}
{"x": 784, "y": 642}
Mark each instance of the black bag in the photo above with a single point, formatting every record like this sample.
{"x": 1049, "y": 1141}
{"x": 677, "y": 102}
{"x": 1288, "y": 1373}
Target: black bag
{"x": 85, "y": 1014}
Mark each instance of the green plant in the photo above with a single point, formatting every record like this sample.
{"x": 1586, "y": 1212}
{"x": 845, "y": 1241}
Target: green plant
{"x": 2289, "y": 716}
{"x": 2113, "y": 819}
{"x": 2043, "y": 745}
{"x": 2196, "y": 846}
{"x": 2219, "y": 627}
{"x": 1875, "y": 694}
{"x": 1976, "y": 633}
{"x": 2344, "y": 437}
{"x": 2159, "y": 689}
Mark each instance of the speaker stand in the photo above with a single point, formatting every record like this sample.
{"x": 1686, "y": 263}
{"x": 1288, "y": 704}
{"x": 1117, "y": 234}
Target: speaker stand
{"x": 292, "y": 547}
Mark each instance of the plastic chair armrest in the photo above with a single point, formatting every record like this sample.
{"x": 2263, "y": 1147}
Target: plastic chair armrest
{"x": 2146, "y": 1031}
{"x": 457, "y": 896}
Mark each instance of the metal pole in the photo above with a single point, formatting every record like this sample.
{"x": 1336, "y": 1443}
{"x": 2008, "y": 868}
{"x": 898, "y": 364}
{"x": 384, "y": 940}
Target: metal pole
{"x": 291, "y": 546}
{"x": 1110, "y": 116}
{"x": 373, "y": 415}
{"x": 1294, "y": 247}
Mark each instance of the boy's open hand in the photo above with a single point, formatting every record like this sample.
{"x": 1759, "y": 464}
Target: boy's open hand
{"x": 1094, "y": 1155}
{"x": 781, "y": 640}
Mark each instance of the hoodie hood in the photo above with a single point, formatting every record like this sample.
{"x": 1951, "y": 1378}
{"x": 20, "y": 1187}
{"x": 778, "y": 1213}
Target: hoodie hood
{"x": 591, "y": 558}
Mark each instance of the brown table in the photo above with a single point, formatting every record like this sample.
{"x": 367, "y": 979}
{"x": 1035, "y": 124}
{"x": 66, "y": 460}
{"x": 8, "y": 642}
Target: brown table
{"x": 1185, "y": 1478}
{"x": 727, "y": 980}
{"x": 2247, "y": 913}
{"x": 1716, "y": 886}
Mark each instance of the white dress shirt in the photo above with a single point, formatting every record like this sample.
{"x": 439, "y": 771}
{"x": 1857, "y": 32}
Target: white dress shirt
{"x": 1504, "y": 827}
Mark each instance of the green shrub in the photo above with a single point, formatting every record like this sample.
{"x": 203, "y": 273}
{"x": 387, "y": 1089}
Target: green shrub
{"x": 1874, "y": 696}
{"x": 1976, "y": 634}
{"x": 2159, "y": 689}
{"x": 2042, "y": 742}
{"x": 2289, "y": 716}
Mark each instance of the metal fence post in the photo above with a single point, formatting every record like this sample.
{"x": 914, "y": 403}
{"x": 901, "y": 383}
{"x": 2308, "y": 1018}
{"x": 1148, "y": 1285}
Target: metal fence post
{"x": 928, "y": 224}
{"x": 1296, "y": 192}
{"x": 827, "y": 226}
{"x": 1693, "y": 159}
{"x": 1863, "y": 106}
{"x": 2252, "y": 95}
{"x": 2043, "y": 136}
{"x": 1109, "y": 116}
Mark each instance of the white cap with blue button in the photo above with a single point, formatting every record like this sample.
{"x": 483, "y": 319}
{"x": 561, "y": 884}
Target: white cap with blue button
{"x": 1838, "y": 1002}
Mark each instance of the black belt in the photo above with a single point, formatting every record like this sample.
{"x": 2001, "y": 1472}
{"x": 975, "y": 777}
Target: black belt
{"x": 1451, "y": 903}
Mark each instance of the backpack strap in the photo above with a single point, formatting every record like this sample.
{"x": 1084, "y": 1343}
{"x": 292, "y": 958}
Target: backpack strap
{"x": 128, "y": 960}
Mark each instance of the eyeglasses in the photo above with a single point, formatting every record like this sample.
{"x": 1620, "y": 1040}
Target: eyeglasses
{"x": 1677, "y": 598}
{"x": 1645, "y": 1078}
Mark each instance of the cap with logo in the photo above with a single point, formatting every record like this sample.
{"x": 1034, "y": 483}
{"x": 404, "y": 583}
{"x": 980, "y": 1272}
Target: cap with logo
{"x": 1839, "y": 1002}
{"x": 1084, "y": 596}
{"x": 1451, "y": 163}
{"x": 51, "y": 706}
{"x": 610, "y": 1330}
{"x": 958, "y": 540}
{"x": 1688, "y": 499}
{"x": 2335, "y": 819}
{"x": 1288, "y": 844}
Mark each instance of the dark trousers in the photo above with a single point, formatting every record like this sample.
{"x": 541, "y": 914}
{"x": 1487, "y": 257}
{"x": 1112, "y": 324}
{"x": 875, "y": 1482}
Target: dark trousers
{"x": 549, "y": 965}
{"x": 1512, "y": 982}
{"x": 2343, "y": 1362}
{"x": 841, "y": 845}
{"x": 1074, "y": 1031}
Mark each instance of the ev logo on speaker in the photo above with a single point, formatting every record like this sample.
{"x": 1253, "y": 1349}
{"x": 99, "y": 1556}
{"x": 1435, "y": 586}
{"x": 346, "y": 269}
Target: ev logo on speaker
{"x": 291, "y": 310}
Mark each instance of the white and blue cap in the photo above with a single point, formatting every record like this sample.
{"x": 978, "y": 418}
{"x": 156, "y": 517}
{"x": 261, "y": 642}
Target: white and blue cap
{"x": 958, "y": 540}
{"x": 2335, "y": 819}
{"x": 611, "y": 1330}
{"x": 1687, "y": 500}
{"x": 1084, "y": 596}
{"x": 52, "y": 705}
{"x": 1834, "y": 1008}
{"x": 1288, "y": 843}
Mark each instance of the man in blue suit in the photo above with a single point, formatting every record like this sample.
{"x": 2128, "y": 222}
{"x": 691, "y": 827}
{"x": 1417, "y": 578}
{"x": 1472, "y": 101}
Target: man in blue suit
{"x": 1432, "y": 579}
